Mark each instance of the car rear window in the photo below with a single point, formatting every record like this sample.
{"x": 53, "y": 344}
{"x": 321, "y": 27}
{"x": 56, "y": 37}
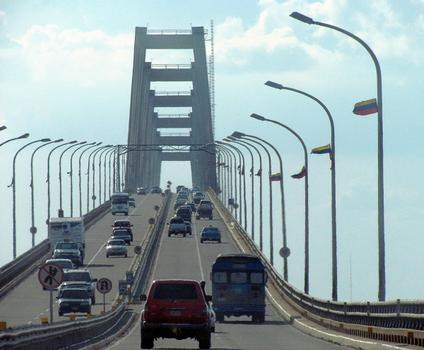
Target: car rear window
{"x": 77, "y": 276}
{"x": 175, "y": 291}
{"x": 74, "y": 294}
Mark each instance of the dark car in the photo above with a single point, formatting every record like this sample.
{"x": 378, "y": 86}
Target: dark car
{"x": 121, "y": 234}
{"x": 123, "y": 225}
{"x": 210, "y": 233}
{"x": 156, "y": 189}
{"x": 184, "y": 212}
{"x": 142, "y": 190}
{"x": 175, "y": 309}
{"x": 192, "y": 205}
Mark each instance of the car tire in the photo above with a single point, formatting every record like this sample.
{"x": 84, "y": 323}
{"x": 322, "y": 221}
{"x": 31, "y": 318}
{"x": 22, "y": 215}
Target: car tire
{"x": 201, "y": 241}
{"x": 107, "y": 255}
{"x": 184, "y": 234}
{"x": 126, "y": 255}
{"x": 213, "y": 329}
{"x": 205, "y": 341}
{"x": 147, "y": 341}
{"x": 197, "y": 217}
{"x": 219, "y": 241}
{"x": 60, "y": 313}
{"x": 210, "y": 217}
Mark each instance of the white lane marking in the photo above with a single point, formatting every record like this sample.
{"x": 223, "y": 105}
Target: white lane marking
{"x": 104, "y": 243}
{"x": 202, "y": 275}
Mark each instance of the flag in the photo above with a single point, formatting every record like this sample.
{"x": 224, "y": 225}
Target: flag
{"x": 275, "y": 177}
{"x": 259, "y": 173}
{"x": 366, "y": 107}
{"x": 301, "y": 174}
{"x": 321, "y": 149}
{"x": 241, "y": 172}
{"x": 251, "y": 171}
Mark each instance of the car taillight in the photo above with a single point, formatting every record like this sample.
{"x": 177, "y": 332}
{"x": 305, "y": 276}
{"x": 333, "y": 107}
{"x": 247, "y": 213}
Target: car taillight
{"x": 205, "y": 313}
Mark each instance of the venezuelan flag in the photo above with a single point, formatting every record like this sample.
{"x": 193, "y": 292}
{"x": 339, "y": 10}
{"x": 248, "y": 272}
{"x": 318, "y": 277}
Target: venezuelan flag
{"x": 366, "y": 107}
{"x": 300, "y": 174}
{"x": 321, "y": 149}
{"x": 275, "y": 177}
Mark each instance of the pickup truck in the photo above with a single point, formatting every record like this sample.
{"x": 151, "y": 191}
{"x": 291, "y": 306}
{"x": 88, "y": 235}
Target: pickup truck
{"x": 177, "y": 225}
{"x": 204, "y": 210}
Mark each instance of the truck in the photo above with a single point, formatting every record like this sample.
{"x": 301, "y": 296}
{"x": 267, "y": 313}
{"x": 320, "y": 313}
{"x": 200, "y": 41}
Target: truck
{"x": 204, "y": 210}
{"x": 71, "y": 230}
{"x": 177, "y": 225}
{"x": 119, "y": 202}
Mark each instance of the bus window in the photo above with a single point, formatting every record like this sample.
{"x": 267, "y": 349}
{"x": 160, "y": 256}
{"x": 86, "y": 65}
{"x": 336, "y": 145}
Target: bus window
{"x": 256, "y": 278}
{"x": 220, "y": 277}
{"x": 238, "y": 277}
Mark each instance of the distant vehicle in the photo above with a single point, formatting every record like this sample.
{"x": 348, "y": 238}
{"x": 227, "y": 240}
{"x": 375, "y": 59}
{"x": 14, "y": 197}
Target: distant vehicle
{"x": 124, "y": 225}
{"x": 62, "y": 263}
{"x": 210, "y": 233}
{"x": 67, "y": 230}
{"x": 238, "y": 286}
{"x": 116, "y": 247}
{"x": 179, "y": 187}
{"x": 195, "y": 189}
{"x": 184, "y": 212}
{"x": 204, "y": 210}
{"x": 131, "y": 202}
{"x": 156, "y": 189}
{"x": 121, "y": 234}
{"x": 82, "y": 276}
{"x": 192, "y": 205}
{"x": 74, "y": 300}
{"x": 68, "y": 250}
{"x": 142, "y": 190}
{"x": 188, "y": 227}
{"x": 179, "y": 202}
{"x": 175, "y": 309}
{"x": 177, "y": 226}
{"x": 119, "y": 203}
{"x": 197, "y": 197}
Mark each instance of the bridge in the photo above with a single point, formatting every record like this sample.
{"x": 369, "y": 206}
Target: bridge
{"x": 295, "y": 319}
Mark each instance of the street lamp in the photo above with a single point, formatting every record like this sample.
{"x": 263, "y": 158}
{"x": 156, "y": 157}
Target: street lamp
{"x": 71, "y": 174}
{"x": 241, "y": 172}
{"x": 13, "y": 185}
{"x": 252, "y": 182}
{"x": 93, "y": 197}
{"x": 3, "y": 127}
{"x": 100, "y": 172}
{"x": 79, "y": 176}
{"x": 333, "y": 178}
{"x": 305, "y": 157}
{"x": 33, "y": 229}
{"x": 24, "y": 136}
{"x": 381, "y": 234}
{"x": 108, "y": 153}
{"x": 88, "y": 174}
{"x": 48, "y": 176}
{"x": 60, "y": 212}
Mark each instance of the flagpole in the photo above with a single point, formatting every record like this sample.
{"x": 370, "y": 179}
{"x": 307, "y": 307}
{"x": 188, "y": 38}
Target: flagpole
{"x": 333, "y": 181}
{"x": 305, "y": 157}
{"x": 252, "y": 197}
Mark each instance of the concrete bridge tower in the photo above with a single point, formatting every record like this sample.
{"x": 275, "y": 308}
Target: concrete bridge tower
{"x": 144, "y": 166}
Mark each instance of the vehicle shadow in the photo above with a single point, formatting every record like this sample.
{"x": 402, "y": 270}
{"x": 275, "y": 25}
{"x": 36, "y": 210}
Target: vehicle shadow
{"x": 100, "y": 265}
{"x": 270, "y": 322}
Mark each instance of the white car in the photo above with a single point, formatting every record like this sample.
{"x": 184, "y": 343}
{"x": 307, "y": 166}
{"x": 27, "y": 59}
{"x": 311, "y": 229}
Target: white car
{"x": 212, "y": 317}
{"x": 116, "y": 247}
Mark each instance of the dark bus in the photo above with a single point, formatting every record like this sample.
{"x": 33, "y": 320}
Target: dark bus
{"x": 238, "y": 286}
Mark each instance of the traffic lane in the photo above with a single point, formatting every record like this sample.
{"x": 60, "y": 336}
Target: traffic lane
{"x": 114, "y": 268}
{"x": 26, "y": 303}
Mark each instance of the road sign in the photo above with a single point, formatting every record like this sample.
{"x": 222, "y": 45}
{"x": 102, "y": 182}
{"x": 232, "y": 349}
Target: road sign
{"x": 50, "y": 276}
{"x": 104, "y": 285}
{"x": 285, "y": 252}
{"x": 151, "y": 221}
{"x": 137, "y": 249}
{"x": 130, "y": 277}
{"x": 33, "y": 230}
{"x": 122, "y": 287}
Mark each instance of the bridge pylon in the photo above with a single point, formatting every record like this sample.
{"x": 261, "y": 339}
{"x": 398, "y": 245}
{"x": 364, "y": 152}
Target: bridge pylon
{"x": 144, "y": 166}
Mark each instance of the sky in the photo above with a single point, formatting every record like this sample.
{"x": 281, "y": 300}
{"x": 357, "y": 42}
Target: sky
{"x": 65, "y": 72}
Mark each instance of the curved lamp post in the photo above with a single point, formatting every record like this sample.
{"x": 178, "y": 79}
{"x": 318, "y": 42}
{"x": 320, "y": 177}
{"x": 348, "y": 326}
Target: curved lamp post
{"x": 100, "y": 172}
{"x": 232, "y": 190}
{"x": 71, "y": 174}
{"x": 333, "y": 179}
{"x": 108, "y": 153}
{"x": 60, "y": 212}
{"x": 88, "y": 173}
{"x": 381, "y": 235}
{"x": 33, "y": 229}
{"x": 48, "y": 176}
{"x": 24, "y": 136}
{"x": 305, "y": 159}
{"x": 13, "y": 185}
{"x": 3, "y": 127}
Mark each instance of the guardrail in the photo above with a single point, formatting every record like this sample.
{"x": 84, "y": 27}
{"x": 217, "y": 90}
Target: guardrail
{"x": 173, "y": 93}
{"x": 171, "y": 66}
{"x": 66, "y": 334}
{"x": 389, "y": 321}
{"x": 17, "y": 270}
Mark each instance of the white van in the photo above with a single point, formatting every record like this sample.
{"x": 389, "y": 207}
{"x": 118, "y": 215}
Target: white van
{"x": 120, "y": 203}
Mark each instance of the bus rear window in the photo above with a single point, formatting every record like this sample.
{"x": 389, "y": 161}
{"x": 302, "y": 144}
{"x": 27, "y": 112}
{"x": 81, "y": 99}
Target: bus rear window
{"x": 238, "y": 277}
{"x": 256, "y": 278}
{"x": 220, "y": 277}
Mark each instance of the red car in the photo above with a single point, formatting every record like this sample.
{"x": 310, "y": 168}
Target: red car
{"x": 175, "y": 309}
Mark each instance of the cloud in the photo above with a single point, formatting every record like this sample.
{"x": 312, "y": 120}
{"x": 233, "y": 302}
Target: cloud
{"x": 83, "y": 57}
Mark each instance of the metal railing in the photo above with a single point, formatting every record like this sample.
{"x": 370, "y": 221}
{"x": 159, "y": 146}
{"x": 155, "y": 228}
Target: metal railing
{"x": 169, "y": 31}
{"x": 172, "y": 93}
{"x": 171, "y": 66}
{"x": 175, "y": 115}
{"x": 374, "y": 318}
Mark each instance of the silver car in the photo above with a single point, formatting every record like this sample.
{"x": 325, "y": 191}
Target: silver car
{"x": 116, "y": 247}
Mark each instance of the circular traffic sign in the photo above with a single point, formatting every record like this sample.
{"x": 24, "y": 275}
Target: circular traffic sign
{"x": 285, "y": 252}
{"x": 151, "y": 221}
{"x": 93, "y": 197}
{"x": 104, "y": 285}
{"x": 137, "y": 249}
{"x": 50, "y": 276}
{"x": 33, "y": 230}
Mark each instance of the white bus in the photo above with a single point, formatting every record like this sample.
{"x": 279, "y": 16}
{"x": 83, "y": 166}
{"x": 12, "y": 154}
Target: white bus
{"x": 120, "y": 203}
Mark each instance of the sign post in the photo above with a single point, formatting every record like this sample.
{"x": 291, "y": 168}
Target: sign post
{"x": 104, "y": 286}
{"x": 50, "y": 277}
